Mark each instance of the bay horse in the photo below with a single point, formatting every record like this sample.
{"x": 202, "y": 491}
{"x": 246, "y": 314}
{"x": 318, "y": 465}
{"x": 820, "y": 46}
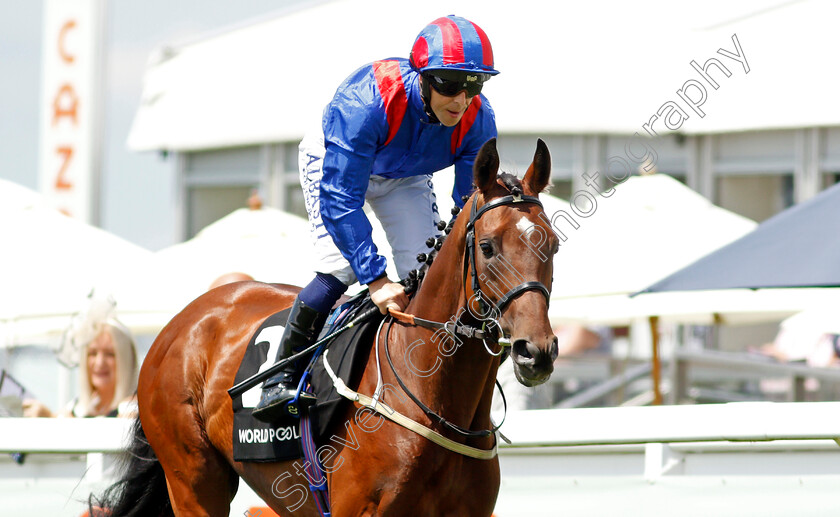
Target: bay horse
{"x": 181, "y": 456}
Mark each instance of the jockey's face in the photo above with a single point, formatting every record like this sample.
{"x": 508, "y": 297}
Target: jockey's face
{"x": 449, "y": 110}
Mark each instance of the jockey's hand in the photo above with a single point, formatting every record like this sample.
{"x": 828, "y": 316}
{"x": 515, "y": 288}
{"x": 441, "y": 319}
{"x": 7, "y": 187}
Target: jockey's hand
{"x": 388, "y": 295}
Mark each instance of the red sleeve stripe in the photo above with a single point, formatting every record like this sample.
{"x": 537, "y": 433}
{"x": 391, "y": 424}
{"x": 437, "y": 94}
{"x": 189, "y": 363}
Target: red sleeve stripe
{"x": 391, "y": 88}
{"x": 465, "y": 124}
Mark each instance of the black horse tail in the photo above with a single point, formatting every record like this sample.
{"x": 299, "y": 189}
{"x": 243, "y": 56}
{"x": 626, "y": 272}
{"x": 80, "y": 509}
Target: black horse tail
{"x": 141, "y": 491}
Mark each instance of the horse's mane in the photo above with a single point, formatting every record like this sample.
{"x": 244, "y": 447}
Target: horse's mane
{"x": 507, "y": 180}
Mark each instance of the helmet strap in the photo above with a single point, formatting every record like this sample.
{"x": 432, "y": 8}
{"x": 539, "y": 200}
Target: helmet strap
{"x": 426, "y": 95}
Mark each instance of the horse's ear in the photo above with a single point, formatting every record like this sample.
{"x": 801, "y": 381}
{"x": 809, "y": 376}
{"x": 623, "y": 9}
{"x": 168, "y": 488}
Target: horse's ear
{"x": 539, "y": 173}
{"x": 486, "y": 166}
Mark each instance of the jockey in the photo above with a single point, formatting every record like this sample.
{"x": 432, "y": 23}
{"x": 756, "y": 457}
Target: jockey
{"x": 390, "y": 125}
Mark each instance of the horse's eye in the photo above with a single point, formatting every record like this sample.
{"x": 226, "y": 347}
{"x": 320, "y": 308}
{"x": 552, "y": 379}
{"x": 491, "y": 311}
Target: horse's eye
{"x": 486, "y": 248}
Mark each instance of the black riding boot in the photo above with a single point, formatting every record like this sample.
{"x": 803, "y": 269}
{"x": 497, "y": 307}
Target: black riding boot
{"x": 303, "y": 327}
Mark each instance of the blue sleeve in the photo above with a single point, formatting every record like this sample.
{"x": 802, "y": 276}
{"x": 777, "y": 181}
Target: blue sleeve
{"x": 354, "y": 126}
{"x": 482, "y": 130}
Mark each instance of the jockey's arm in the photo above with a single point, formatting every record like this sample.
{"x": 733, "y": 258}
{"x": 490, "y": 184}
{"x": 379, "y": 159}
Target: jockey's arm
{"x": 350, "y": 149}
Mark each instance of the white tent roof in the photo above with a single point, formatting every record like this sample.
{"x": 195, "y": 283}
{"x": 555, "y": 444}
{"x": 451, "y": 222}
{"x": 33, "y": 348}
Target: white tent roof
{"x": 567, "y": 67}
{"x": 49, "y": 265}
{"x": 267, "y": 244}
{"x": 650, "y": 226}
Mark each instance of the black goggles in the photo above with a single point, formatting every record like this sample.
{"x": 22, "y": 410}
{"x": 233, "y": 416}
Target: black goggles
{"x": 451, "y": 83}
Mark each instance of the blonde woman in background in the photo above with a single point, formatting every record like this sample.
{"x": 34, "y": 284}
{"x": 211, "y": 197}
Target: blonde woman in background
{"x": 107, "y": 377}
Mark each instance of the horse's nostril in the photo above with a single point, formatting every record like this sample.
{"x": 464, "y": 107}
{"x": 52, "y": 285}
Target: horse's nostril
{"x": 522, "y": 349}
{"x": 554, "y": 351}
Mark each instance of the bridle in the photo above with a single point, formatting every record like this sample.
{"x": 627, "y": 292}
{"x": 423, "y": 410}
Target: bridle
{"x": 469, "y": 251}
{"x": 470, "y": 268}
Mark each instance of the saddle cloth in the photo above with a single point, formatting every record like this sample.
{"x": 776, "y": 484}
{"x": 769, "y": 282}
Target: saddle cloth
{"x": 254, "y": 440}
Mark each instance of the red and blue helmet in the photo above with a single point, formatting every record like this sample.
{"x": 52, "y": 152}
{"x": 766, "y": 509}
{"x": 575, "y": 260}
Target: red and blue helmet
{"x": 452, "y": 43}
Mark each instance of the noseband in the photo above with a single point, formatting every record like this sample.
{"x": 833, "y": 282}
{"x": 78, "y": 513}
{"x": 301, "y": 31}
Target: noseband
{"x": 469, "y": 260}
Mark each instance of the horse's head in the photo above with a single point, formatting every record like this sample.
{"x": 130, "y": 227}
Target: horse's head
{"x": 511, "y": 249}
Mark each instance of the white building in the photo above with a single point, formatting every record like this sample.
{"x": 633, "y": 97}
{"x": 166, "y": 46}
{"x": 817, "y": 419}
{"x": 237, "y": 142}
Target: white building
{"x": 584, "y": 76}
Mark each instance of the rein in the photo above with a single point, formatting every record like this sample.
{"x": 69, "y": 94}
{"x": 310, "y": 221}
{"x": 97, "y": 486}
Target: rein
{"x": 429, "y": 412}
{"x": 374, "y": 404}
{"x": 450, "y": 326}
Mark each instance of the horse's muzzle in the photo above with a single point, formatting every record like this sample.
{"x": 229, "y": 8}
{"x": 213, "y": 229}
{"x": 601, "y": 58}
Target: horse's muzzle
{"x": 533, "y": 364}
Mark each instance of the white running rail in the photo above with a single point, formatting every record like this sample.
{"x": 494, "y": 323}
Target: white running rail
{"x": 745, "y": 459}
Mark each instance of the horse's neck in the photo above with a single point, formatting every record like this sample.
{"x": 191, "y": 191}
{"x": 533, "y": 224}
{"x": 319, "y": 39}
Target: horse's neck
{"x": 441, "y": 295}
{"x": 461, "y": 386}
